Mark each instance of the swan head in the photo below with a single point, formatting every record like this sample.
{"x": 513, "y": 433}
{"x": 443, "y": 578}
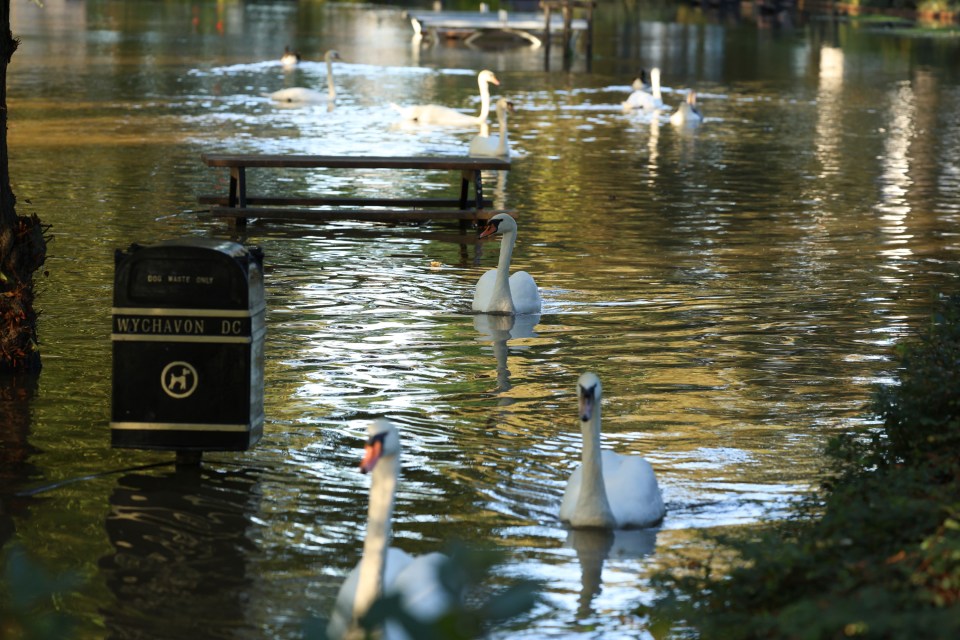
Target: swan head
{"x": 488, "y": 77}
{"x": 504, "y": 106}
{"x": 383, "y": 440}
{"x": 641, "y": 82}
{"x": 589, "y": 392}
{"x": 655, "y": 76}
{"x": 289, "y": 57}
{"x": 500, "y": 223}
{"x": 332, "y": 55}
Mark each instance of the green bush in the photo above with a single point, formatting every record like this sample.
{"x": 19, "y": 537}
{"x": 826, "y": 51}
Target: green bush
{"x": 876, "y": 552}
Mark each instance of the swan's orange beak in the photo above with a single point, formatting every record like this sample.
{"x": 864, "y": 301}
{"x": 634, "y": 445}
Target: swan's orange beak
{"x": 371, "y": 453}
{"x": 490, "y": 228}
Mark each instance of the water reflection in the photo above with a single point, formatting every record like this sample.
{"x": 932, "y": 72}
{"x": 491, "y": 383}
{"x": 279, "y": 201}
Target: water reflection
{"x": 499, "y": 329}
{"x": 180, "y": 552}
{"x": 596, "y": 546}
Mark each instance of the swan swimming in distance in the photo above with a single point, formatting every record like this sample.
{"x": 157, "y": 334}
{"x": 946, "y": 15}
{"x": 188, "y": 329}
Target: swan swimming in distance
{"x": 643, "y": 100}
{"x": 289, "y": 58}
{"x": 386, "y": 570}
{"x": 608, "y": 490}
{"x": 301, "y": 95}
{"x": 688, "y": 113}
{"x": 498, "y": 145}
{"x": 441, "y": 115}
{"x": 497, "y": 291}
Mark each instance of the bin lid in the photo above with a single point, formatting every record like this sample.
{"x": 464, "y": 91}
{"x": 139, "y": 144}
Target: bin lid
{"x": 189, "y": 273}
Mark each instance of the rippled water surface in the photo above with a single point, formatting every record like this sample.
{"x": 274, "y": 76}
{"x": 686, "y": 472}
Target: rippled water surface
{"x": 737, "y": 287}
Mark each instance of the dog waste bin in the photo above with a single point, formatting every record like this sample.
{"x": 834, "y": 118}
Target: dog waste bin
{"x": 188, "y": 328}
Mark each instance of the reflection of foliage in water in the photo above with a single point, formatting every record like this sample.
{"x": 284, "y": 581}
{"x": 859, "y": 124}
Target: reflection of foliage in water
{"x": 29, "y": 598}
{"x": 877, "y": 553}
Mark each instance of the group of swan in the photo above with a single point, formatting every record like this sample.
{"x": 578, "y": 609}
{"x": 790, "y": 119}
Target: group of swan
{"x": 647, "y": 97}
{"x": 608, "y": 491}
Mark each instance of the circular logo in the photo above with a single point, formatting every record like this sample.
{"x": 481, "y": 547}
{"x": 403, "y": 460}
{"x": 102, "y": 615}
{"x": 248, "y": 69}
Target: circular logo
{"x": 179, "y": 379}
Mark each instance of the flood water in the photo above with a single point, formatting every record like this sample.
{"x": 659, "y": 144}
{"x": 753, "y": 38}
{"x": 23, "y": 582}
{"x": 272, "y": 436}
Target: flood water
{"x": 738, "y": 288}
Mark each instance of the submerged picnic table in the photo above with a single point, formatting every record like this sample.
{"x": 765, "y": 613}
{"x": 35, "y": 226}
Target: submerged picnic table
{"x": 238, "y": 205}
{"x": 470, "y": 25}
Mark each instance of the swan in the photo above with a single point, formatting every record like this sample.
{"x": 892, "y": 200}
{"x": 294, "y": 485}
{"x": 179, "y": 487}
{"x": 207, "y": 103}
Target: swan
{"x": 641, "y": 82}
{"x": 383, "y": 569}
{"x": 497, "y": 290}
{"x": 688, "y": 113}
{"x": 499, "y": 145}
{"x": 289, "y": 58}
{"x": 608, "y": 490}
{"x": 302, "y": 95}
{"x": 438, "y": 114}
{"x": 647, "y": 101}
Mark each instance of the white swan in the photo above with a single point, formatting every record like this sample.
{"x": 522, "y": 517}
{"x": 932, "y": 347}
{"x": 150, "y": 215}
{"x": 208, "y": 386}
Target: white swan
{"x": 289, "y": 58}
{"x": 608, "y": 490}
{"x": 303, "y": 96}
{"x": 499, "y": 145}
{"x": 641, "y": 99}
{"x": 383, "y": 569}
{"x": 688, "y": 113}
{"x": 498, "y": 291}
{"x": 438, "y": 114}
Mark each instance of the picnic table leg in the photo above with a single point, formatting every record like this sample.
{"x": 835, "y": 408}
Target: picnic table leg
{"x": 238, "y": 194}
{"x": 479, "y": 189}
{"x": 464, "y": 194}
{"x": 547, "y": 38}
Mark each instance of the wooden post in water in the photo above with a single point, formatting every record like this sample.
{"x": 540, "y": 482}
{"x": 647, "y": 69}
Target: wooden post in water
{"x": 567, "y": 8}
{"x": 547, "y": 37}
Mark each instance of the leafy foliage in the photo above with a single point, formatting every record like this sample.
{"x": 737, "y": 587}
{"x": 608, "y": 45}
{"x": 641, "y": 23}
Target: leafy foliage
{"x": 29, "y": 597}
{"x": 876, "y": 554}
{"x": 464, "y": 576}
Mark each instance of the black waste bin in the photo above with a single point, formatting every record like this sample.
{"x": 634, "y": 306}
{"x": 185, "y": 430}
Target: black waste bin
{"x": 188, "y": 329}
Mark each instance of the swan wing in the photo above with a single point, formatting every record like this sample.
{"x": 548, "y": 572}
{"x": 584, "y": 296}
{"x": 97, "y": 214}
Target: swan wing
{"x": 437, "y": 114}
{"x": 341, "y": 618}
{"x": 632, "y": 490}
{"x": 570, "y": 495}
{"x": 525, "y": 293}
{"x": 419, "y": 586}
{"x": 484, "y": 291}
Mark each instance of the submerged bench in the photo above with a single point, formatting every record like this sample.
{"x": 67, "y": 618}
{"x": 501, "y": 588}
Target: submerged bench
{"x": 237, "y": 205}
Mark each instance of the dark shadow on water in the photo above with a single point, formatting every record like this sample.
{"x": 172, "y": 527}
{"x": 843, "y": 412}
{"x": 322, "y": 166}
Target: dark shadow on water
{"x": 16, "y": 393}
{"x": 180, "y": 545}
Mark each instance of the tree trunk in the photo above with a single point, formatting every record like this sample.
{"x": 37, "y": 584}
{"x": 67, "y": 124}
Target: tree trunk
{"x": 23, "y": 247}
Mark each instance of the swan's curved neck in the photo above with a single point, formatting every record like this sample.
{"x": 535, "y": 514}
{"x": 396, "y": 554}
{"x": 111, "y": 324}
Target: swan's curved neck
{"x": 655, "y": 82}
{"x": 501, "y": 301}
{"x": 330, "y": 88}
{"x": 484, "y": 101}
{"x": 593, "y": 508}
{"x": 502, "y": 121}
{"x": 383, "y": 486}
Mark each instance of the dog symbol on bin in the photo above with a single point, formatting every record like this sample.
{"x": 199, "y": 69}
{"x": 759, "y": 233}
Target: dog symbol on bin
{"x": 179, "y": 379}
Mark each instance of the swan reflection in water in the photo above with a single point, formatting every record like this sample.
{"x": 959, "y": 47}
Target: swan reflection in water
{"x": 499, "y": 329}
{"x": 594, "y": 547}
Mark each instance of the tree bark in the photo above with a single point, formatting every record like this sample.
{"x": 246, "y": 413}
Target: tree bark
{"x": 23, "y": 247}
